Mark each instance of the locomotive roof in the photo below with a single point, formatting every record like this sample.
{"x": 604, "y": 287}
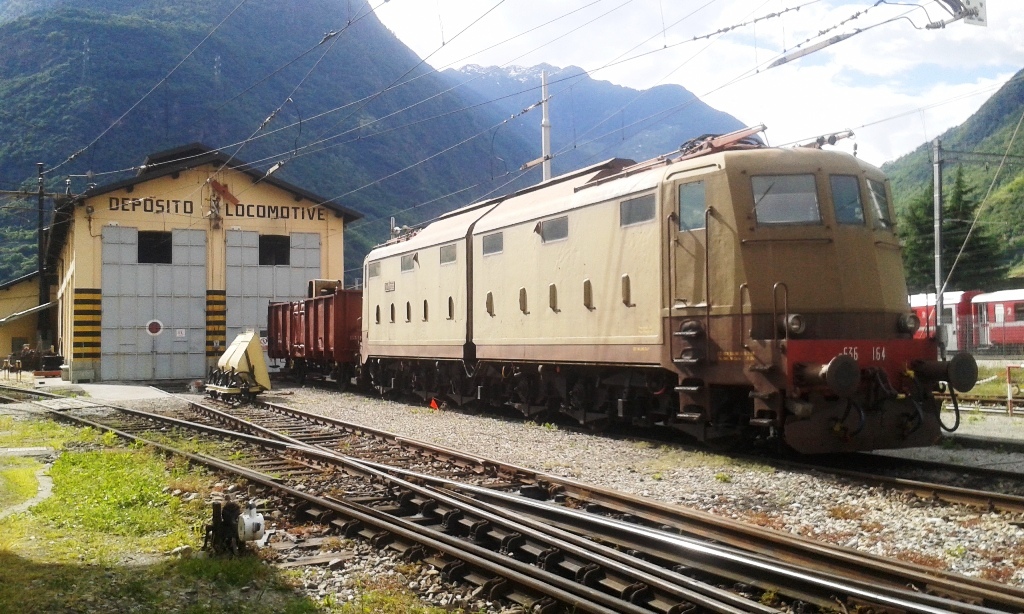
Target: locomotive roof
{"x": 602, "y": 182}
{"x": 1002, "y": 296}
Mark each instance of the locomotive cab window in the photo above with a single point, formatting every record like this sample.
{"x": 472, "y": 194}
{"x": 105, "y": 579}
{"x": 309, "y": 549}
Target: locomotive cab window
{"x": 636, "y": 210}
{"x": 493, "y": 243}
{"x": 553, "y": 230}
{"x": 881, "y": 204}
{"x": 846, "y": 199}
{"x": 692, "y": 204}
{"x": 275, "y": 250}
{"x": 373, "y": 270}
{"x": 785, "y": 199}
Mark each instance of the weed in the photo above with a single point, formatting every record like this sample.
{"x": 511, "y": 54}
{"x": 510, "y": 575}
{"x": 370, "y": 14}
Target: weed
{"x": 770, "y": 597}
{"x": 845, "y": 512}
{"x": 957, "y": 552}
{"x": 550, "y": 426}
{"x": 723, "y": 477}
{"x": 657, "y": 476}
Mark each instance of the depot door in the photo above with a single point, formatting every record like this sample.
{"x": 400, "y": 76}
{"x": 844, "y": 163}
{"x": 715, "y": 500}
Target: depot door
{"x": 153, "y": 304}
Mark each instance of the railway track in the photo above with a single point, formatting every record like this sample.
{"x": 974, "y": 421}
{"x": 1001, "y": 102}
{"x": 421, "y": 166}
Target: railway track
{"x": 674, "y": 540}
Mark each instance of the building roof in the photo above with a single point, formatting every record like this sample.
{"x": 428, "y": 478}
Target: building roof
{"x": 170, "y": 161}
{"x": 20, "y": 280}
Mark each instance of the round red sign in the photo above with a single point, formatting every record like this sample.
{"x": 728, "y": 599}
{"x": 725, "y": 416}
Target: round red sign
{"x": 154, "y": 327}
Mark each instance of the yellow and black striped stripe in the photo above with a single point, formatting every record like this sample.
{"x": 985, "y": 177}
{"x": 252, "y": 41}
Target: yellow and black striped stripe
{"x": 216, "y": 322}
{"x": 87, "y": 321}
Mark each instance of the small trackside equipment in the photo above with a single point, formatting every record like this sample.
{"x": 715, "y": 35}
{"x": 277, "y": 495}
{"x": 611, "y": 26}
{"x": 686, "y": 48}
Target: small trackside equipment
{"x": 241, "y": 372}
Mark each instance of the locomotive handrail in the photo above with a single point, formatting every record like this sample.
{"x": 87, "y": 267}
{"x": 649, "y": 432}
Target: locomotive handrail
{"x": 707, "y": 277}
{"x": 791, "y": 240}
{"x": 745, "y": 289}
{"x": 775, "y": 310}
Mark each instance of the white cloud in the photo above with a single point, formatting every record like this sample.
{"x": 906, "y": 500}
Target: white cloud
{"x": 922, "y": 79}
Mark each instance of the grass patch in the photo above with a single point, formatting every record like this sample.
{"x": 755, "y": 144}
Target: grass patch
{"x": 17, "y": 480}
{"x": 98, "y": 543}
{"x": 383, "y": 595}
{"x": 31, "y": 433}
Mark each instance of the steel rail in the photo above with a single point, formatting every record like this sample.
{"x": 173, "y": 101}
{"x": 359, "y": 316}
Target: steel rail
{"x": 795, "y": 549}
{"x": 899, "y": 600}
{"x": 759, "y": 570}
{"x": 710, "y": 600}
{"x": 641, "y": 588}
{"x": 533, "y": 578}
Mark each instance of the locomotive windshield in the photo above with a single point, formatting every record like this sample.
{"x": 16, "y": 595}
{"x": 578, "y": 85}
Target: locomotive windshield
{"x": 881, "y": 203}
{"x": 846, "y": 197}
{"x": 785, "y": 199}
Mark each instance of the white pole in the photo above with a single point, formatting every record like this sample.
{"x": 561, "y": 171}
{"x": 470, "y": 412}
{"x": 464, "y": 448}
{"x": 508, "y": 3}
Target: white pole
{"x": 545, "y": 126}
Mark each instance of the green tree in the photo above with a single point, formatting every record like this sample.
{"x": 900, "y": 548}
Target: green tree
{"x": 979, "y": 263}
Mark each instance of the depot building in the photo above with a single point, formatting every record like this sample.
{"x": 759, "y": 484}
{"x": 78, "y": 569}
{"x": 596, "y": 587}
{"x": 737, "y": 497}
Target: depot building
{"x": 156, "y": 274}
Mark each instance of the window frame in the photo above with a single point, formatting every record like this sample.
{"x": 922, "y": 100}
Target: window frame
{"x": 454, "y": 254}
{"x": 410, "y": 259}
{"x": 634, "y": 204}
{"x": 683, "y": 226}
{"x": 551, "y": 229}
{"x": 273, "y": 247}
{"x": 500, "y": 246}
{"x": 887, "y": 220}
{"x": 158, "y": 247}
{"x": 835, "y": 204}
{"x": 817, "y": 221}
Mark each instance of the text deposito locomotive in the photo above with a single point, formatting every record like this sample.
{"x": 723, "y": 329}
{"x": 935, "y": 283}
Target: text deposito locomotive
{"x": 731, "y": 291}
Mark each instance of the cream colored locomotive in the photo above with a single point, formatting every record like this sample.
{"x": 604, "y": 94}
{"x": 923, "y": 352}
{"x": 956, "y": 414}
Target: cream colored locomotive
{"x": 732, "y": 291}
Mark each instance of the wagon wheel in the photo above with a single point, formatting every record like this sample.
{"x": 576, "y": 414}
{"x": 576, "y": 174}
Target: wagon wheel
{"x": 342, "y": 375}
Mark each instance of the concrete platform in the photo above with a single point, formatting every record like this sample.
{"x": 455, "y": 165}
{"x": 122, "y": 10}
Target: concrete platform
{"x": 112, "y": 392}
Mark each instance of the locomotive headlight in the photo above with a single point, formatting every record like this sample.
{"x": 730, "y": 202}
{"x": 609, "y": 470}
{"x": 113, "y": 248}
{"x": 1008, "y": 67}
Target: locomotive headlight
{"x": 908, "y": 323}
{"x": 796, "y": 324}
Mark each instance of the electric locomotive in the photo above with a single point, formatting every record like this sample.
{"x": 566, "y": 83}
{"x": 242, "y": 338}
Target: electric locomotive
{"x": 731, "y": 290}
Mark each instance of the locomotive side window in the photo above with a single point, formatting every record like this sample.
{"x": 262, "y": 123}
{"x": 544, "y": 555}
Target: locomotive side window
{"x": 785, "y": 199}
{"x": 493, "y": 243}
{"x": 373, "y": 269}
{"x": 553, "y": 230}
{"x": 846, "y": 197}
{"x": 392, "y": 313}
{"x": 636, "y": 210}
{"x": 451, "y": 308}
{"x": 881, "y": 203}
{"x": 409, "y": 262}
{"x": 691, "y": 205}
{"x": 448, "y": 254}
{"x": 378, "y": 315}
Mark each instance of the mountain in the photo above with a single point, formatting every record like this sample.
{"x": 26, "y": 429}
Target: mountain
{"x": 90, "y": 87}
{"x": 978, "y": 146}
{"x": 591, "y": 119}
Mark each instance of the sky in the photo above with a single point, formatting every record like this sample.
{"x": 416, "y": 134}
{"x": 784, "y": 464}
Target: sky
{"x": 894, "y": 83}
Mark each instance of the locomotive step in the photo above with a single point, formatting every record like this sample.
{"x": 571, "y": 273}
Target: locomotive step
{"x": 689, "y": 388}
{"x": 689, "y": 417}
{"x": 762, "y": 422}
{"x": 687, "y": 361}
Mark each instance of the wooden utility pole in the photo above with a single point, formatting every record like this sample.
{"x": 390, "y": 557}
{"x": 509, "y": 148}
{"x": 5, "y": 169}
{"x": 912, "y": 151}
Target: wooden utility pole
{"x": 42, "y": 322}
